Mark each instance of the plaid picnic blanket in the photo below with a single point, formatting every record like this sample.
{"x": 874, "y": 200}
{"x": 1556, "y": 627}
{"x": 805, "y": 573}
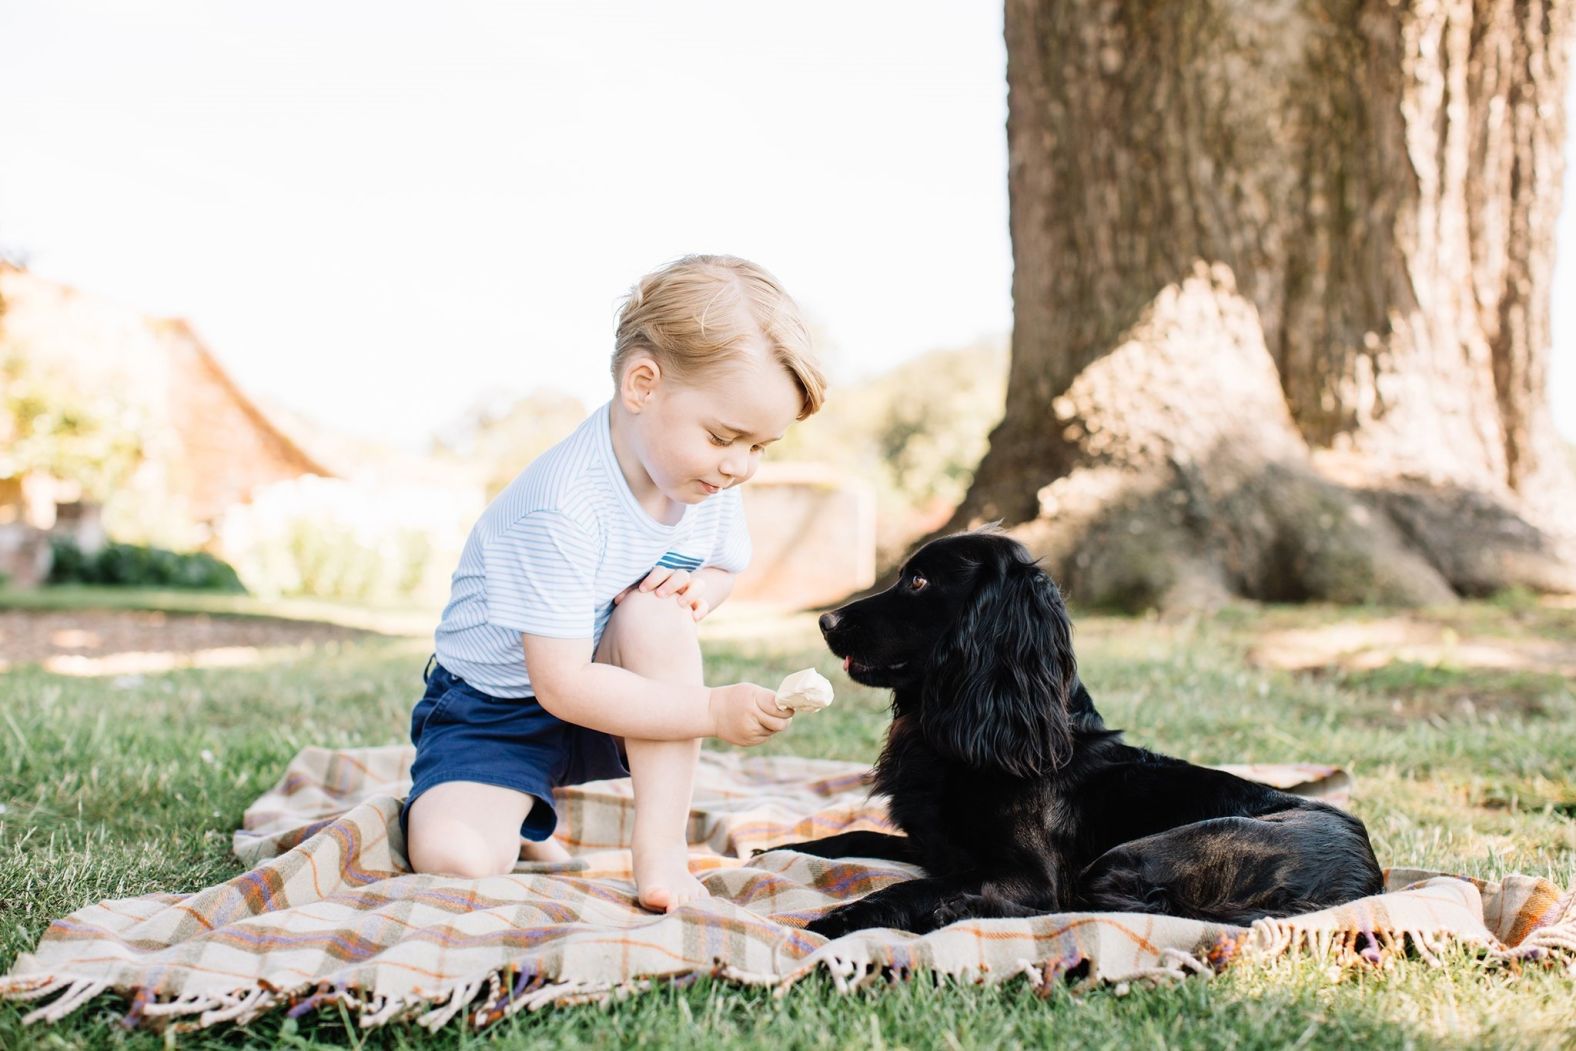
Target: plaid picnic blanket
{"x": 328, "y": 911}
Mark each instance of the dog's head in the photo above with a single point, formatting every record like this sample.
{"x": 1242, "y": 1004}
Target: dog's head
{"x": 979, "y": 629}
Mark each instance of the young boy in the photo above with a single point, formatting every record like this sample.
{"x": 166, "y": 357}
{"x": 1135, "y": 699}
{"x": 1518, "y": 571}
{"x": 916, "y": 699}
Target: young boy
{"x": 569, "y": 644}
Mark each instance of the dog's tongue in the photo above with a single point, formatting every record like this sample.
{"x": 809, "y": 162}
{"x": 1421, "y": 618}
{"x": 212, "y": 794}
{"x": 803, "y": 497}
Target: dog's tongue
{"x": 847, "y": 663}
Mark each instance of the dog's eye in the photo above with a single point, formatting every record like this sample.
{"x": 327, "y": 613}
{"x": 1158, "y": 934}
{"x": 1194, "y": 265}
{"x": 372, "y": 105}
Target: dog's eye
{"x": 917, "y": 583}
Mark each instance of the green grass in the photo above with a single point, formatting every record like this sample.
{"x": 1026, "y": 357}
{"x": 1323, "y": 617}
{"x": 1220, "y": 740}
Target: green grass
{"x": 122, "y": 787}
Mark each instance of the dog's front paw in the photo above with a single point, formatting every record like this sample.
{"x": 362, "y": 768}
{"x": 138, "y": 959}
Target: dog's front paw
{"x": 840, "y": 921}
{"x": 946, "y": 914}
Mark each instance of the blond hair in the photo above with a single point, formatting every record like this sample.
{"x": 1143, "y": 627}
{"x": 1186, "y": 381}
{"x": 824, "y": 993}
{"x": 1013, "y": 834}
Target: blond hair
{"x": 700, "y": 311}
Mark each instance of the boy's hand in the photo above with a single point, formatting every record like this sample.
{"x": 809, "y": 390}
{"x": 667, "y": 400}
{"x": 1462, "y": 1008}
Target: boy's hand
{"x": 746, "y": 714}
{"x": 677, "y": 583}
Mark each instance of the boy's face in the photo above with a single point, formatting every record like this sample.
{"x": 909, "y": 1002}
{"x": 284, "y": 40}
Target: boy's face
{"x": 696, "y": 440}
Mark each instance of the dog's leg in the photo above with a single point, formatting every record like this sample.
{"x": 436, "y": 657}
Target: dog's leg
{"x": 1238, "y": 869}
{"x": 1015, "y": 897}
{"x": 855, "y": 845}
{"x": 906, "y": 906}
{"x": 981, "y": 907}
{"x": 924, "y": 905}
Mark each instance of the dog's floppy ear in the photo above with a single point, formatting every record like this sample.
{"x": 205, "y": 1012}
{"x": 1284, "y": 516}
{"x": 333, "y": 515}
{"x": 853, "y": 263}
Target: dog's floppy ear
{"x": 995, "y": 694}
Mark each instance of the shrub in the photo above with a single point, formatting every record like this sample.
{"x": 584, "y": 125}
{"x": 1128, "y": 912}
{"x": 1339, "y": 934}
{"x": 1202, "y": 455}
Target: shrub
{"x": 383, "y": 541}
{"x": 136, "y": 565}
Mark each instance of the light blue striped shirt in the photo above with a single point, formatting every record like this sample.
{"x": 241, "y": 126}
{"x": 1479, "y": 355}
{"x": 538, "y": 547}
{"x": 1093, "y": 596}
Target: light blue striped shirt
{"x": 552, "y": 549}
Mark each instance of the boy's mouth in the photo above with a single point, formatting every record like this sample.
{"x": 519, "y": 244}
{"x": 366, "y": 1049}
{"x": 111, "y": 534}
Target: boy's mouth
{"x": 710, "y": 488}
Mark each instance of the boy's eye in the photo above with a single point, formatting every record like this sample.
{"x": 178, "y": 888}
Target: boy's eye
{"x": 717, "y": 440}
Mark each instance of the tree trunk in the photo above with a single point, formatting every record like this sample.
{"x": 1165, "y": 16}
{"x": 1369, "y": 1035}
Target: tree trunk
{"x": 1282, "y": 298}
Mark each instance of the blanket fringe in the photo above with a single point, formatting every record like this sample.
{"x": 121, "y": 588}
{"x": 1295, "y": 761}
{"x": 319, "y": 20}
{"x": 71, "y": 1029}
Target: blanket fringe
{"x": 78, "y": 992}
{"x": 463, "y": 994}
{"x": 383, "y": 1009}
{"x": 1557, "y": 938}
{"x": 239, "y": 1008}
{"x": 31, "y": 988}
{"x": 190, "y": 1004}
{"x": 507, "y": 991}
{"x": 1269, "y": 938}
{"x": 1174, "y": 965}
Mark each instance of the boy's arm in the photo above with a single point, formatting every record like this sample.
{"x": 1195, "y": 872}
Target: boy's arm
{"x": 716, "y": 585}
{"x": 700, "y": 592}
{"x": 570, "y": 685}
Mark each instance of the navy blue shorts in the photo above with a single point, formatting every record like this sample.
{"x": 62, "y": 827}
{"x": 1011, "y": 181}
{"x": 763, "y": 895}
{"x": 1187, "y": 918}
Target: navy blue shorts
{"x": 463, "y": 734}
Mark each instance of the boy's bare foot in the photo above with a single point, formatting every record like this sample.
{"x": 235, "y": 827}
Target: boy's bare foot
{"x": 662, "y": 878}
{"x": 545, "y": 850}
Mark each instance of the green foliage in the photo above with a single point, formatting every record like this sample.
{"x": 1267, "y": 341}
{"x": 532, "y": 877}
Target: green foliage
{"x": 334, "y": 562}
{"x": 506, "y": 440}
{"x": 136, "y": 565}
{"x": 918, "y": 432}
{"x": 331, "y": 539}
{"x": 53, "y": 425}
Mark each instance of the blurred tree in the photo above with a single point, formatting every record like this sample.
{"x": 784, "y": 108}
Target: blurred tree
{"x": 49, "y": 425}
{"x": 506, "y": 435}
{"x": 915, "y": 432}
{"x": 1282, "y": 283}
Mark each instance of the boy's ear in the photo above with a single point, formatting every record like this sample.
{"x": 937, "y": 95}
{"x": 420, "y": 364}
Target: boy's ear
{"x": 642, "y": 377}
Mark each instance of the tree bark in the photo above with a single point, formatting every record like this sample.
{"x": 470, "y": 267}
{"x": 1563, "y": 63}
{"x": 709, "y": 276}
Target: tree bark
{"x": 1341, "y": 212}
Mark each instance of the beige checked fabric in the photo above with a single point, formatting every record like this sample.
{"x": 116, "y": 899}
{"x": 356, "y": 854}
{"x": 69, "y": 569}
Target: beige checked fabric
{"x": 328, "y": 911}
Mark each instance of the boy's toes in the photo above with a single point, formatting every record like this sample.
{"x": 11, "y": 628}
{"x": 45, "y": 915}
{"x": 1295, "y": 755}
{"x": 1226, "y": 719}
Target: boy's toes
{"x": 657, "y": 899}
{"x": 664, "y": 897}
{"x": 692, "y": 892}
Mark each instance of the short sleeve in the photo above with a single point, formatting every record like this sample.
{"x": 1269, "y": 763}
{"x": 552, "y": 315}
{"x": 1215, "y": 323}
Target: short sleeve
{"x": 539, "y": 577}
{"x": 732, "y": 552}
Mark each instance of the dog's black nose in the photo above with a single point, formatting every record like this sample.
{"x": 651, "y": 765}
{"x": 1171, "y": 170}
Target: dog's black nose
{"x": 829, "y": 621}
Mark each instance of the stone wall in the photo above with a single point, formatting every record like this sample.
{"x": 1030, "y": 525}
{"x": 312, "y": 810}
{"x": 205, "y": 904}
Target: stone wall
{"x": 24, "y": 555}
{"x": 814, "y": 537}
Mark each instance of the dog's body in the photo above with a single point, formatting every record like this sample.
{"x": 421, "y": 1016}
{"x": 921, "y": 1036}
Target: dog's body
{"x": 1014, "y": 797}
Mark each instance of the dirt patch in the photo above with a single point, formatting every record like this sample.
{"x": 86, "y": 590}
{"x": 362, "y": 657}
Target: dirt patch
{"x": 1370, "y": 644}
{"x": 1408, "y": 668}
{"x": 105, "y": 642}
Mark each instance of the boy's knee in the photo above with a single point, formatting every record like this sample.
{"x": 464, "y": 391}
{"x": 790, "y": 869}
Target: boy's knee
{"x": 468, "y": 857}
{"x": 646, "y": 631}
{"x": 439, "y": 846}
{"x": 644, "y": 616}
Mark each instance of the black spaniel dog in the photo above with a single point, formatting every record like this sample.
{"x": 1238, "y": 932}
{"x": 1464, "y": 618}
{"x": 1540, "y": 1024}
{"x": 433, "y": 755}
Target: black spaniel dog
{"x": 1015, "y": 798}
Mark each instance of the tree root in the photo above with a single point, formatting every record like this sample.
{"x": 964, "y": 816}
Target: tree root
{"x": 1182, "y": 481}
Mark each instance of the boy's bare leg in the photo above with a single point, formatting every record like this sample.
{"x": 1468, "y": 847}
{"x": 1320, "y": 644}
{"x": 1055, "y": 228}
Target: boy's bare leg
{"x": 547, "y": 850}
{"x": 465, "y": 828}
{"x": 663, "y": 773}
{"x": 655, "y": 638}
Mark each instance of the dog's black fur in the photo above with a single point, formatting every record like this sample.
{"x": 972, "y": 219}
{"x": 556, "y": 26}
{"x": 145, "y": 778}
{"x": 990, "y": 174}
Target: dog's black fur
{"x": 1015, "y": 798}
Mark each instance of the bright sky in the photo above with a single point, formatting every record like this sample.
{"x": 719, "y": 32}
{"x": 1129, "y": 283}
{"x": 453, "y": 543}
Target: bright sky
{"x": 380, "y": 213}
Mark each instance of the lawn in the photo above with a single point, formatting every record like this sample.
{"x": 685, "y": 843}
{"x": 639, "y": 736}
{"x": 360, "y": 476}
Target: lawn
{"x": 118, "y": 785}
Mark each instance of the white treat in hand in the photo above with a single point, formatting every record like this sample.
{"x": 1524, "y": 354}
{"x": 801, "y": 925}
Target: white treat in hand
{"x": 805, "y": 691}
